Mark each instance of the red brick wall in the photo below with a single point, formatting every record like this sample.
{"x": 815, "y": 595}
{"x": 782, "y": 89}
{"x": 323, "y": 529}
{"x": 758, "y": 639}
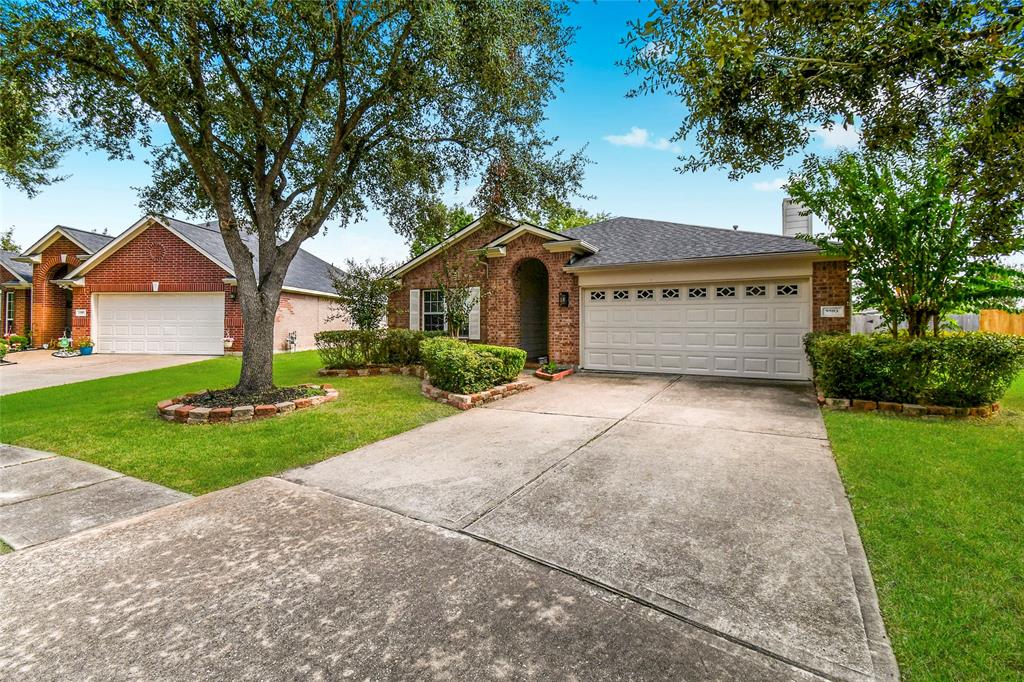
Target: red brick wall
{"x": 48, "y": 300}
{"x": 157, "y": 255}
{"x": 499, "y": 283}
{"x": 22, "y": 304}
{"x": 503, "y": 303}
{"x": 424, "y": 276}
{"x": 830, "y": 285}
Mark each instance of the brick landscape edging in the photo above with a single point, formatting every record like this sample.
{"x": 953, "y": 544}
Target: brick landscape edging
{"x": 908, "y": 409}
{"x": 178, "y": 410}
{"x": 405, "y": 370}
{"x": 466, "y": 401}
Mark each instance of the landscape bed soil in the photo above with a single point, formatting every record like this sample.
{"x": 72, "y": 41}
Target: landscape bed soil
{"x": 230, "y": 398}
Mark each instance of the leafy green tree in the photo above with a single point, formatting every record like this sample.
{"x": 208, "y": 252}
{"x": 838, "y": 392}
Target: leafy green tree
{"x": 456, "y": 284}
{"x": 7, "y": 242}
{"x": 559, "y": 216}
{"x": 363, "y": 290}
{"x": 436, "y": 223}
{"x": 908, "y": 235}
{"x": 285, "y": 115}
{"x": 758, "y": 79}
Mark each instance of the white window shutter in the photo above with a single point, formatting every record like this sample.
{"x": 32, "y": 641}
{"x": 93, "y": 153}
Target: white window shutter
{"x": 474, "y": 314}
{"x": 414, "y": 309}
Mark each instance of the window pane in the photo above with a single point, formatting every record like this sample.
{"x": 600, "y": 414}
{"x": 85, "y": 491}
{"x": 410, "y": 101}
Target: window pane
{"x": 670, "y": 293}
{"x": 725, "y": 292}
{"x": 697, "y": 292}
{"x": 644, "y": 294}
{"x": 620, "y": 294}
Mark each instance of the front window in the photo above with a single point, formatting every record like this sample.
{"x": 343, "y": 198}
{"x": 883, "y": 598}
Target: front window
{"x": 9, "y": 313}
{"x": 434, "y": 314}
{"x": 433, "y": 310}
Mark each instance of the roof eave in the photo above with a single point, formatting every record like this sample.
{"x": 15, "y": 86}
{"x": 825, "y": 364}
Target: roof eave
{"x": 704, "y": 259}
{"x": 580, "y": 247}
{"x": 412, "y": 263}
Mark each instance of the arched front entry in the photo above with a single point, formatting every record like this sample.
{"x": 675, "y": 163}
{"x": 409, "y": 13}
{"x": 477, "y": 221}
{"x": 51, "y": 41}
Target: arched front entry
{"x": 533, "y": 308}
{"x": 58, "y": 313}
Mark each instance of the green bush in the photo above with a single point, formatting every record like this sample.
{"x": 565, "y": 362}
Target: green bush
{"x": 961, "y": 370}
{"x": 460, "y": 367}
{"x": 512, "y": 359}
{"x": 354, "y": 348}
{"x": 17, "y": 339}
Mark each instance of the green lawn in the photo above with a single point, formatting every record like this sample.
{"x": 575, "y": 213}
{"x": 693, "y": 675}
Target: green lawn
{"x": 940, "y": 508}
{"x": 112, "y": 422}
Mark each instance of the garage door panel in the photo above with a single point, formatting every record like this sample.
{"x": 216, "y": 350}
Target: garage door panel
{"x": 160, "y": 323}
{"x": 755, "y": 332}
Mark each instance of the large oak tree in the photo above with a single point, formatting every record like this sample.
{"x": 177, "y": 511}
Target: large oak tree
{"x": 759, "y": 77}
{"x": 283, "y": 116}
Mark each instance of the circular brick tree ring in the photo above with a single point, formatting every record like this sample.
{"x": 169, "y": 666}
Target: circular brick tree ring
{"x": 179, "y": 410}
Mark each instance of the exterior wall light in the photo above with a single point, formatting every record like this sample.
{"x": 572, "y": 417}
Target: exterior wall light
{"x": 563, "y": 299}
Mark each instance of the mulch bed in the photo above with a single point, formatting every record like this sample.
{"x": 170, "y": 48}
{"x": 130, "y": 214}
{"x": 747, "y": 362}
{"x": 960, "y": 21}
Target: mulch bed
{"x": 228, "y": 397}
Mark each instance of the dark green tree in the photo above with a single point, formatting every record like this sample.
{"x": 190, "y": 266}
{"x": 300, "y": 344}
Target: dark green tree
{"x": 285, "y": 115}
{"x": 758, "y": 78}
{"x": 363, "y": 290}
{"x": 437, "y": 222}
{"x": 7, "y": 242}
{"x": 559, "y": 216}
{"x": 908, "y": 235}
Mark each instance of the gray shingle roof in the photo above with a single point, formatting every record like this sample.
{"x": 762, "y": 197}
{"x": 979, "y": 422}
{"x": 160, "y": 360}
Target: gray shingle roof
{"x": 634, "y": 240}
{"x": 23, "y": 269}
{"x": 93, "y": 241}
{"x": 305, "y": 272}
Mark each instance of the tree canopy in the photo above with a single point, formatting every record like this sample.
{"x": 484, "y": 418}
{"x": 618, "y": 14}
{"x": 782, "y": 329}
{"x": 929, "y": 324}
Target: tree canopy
{"x": 283, "y": 116}
{"x": 759, "y": 78}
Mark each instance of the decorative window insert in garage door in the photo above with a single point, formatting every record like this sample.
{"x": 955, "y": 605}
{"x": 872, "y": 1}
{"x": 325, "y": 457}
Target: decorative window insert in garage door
{"x": 743, "y": 329}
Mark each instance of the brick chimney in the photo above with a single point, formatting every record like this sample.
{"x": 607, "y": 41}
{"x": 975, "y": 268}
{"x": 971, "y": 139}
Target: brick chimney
{"x": 793, "y": 223}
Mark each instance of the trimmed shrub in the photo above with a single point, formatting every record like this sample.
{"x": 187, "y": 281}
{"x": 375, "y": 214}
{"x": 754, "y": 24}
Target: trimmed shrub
{"x": 459, "y": 367}
{"x": 355, "y": 348}
{"x": 960, "y": 370}
{"x": 512, "y": 359}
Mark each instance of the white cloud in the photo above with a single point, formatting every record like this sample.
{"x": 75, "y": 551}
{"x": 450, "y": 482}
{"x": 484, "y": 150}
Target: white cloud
{"x": 770, "y": 185}
{"x": 655, "y": 50}
{"x": 640, "y": 138}
{"x": 837, "y": 137}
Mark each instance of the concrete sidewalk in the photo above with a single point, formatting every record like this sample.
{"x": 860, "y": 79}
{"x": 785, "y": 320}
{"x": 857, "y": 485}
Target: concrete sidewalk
{"x": 44, "y": 496}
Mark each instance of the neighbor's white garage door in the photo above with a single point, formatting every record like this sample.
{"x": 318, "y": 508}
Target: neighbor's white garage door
{"x": 748, "y": 329}
{"x": 188, "y": 324}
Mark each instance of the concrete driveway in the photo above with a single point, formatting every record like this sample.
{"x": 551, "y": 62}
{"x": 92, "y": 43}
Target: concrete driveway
{"x": 603, "y": 527}
{"x": 39, "y": 369}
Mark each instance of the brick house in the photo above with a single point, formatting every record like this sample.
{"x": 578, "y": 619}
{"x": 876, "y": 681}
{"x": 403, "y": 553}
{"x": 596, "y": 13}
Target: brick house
{"x": 161, "y": 286}
{"x": 637, "y": 295}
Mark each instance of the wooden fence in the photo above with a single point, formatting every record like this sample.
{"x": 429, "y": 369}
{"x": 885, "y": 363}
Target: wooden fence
{"x": 1002, "y": 322}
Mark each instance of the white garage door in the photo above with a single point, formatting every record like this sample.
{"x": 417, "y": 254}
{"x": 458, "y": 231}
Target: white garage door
{"x": 187, "y": 324}
{"x": 748, "y": 329}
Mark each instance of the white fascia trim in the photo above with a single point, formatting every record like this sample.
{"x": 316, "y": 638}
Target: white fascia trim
{"x": 231, "y": 281}
{"x": 16, "y": 285}
{"x": 34, "y": 260}
{"x": 69, "y": 283}
{"x": 815, "y": 255}
{"x": 135, "y": 230}
{"x": 577, "y": 246}
{"x": 526, "y": 228}
{"x": 436, "y": 248}
{"x": 51, "y": 237}
{"x": 489, "y": 252}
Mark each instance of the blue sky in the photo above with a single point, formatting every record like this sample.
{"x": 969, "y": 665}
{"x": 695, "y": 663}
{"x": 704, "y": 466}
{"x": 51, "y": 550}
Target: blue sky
{"x": 633, "y": 173}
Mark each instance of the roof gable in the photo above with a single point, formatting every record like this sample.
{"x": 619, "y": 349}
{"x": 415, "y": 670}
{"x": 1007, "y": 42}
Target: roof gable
{"x": 21, "y": 271}
{"x": 306, "y": 273}
{"x": 89, "y": 242}
{"x": 450, "y": 240}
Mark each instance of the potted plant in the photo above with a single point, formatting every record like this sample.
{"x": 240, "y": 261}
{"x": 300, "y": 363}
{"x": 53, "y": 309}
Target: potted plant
{"x": 552, "y": 371}
{"x": 85, "y": 346}
{"x": 228, "y": 342}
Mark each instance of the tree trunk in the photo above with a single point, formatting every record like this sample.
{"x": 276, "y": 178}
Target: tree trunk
{"x": 258, "y": 312}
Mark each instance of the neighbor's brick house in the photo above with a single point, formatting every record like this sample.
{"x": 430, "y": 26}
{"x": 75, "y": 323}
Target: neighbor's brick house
{"x": 162, "y": 286}
{"x": 636, "y": 295}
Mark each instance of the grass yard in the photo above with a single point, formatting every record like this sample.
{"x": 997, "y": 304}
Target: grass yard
{"x": 112, "y": 422}
{"x": 940, "y": 508}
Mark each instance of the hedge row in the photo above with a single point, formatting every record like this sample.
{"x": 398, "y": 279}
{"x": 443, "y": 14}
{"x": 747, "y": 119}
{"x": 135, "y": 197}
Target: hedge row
{"x": 354, "y": 348}
{"x": 959, "y": 370}
{"x": 459, "y": 367}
